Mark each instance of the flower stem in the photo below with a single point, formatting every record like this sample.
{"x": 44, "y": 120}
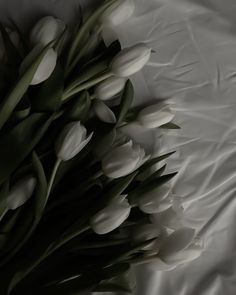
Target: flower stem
{"x": 53, "y": 175}
{"x": 72, "y": 91}
{"x": 3, "y": 214}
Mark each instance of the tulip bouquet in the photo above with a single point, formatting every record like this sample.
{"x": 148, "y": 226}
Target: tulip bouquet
{"x": 80, "y": 202}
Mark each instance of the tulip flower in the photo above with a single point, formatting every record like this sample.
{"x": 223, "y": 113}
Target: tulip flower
{"x": 118, "y": 13}
{"x": 103, "y": 112}
{"x": 71, "y": 141}
{"x": 20, "y": 192}
{"x": 46, "y": 66}
{"x": 176, "y": 249}
{"x": 130, "y": 60}
{"x": 172, "y": 218}
{"x": 111, "y": 217}
{"x": 155, "y": 116}
{"x": 123, "y": 160}
{"x": 109, "y": 88}
{"x": 155, "y": 201}
{"x": 46, "y": 30}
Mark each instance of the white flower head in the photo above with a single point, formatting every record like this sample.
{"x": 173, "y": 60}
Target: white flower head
{"x": 155, "y": 116}
{"x": 155, "y": 201}
{"x": 130, "y": 60}
{"x": 71, "y": 141}
{"x": 21, "y": 192}
{"x": 118, "y": 13}
{"x": 123, "y": 160}
{"x": 46, "y": 66}
{"x": 46, "y": 30}
{"x": 103, "y": 112}
{"x": 109, "y": 88}
{"x": 111, "y": 216}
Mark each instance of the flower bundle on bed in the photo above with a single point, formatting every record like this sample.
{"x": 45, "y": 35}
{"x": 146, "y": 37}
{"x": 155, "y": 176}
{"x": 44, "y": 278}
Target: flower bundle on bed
{"x": 80, "y": 203}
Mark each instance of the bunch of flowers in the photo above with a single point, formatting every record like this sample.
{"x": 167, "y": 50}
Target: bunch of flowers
{"x": 80, "y": 203}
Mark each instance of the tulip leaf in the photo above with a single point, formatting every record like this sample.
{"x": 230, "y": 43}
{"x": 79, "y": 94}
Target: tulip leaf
{"x": 4, "y": 188}
{"x": 83, "y": 33}
{"x": 170, "y": 125}
{"x": 105, "y": 143}
{"x": 18, "y": 90}
{"x": 13, "y": 55}
{"x": 126, "y": 101}
{"x": 49, "y": 95}
{"x": 151, "y": 175}
{"x": 19, "y": 142}
{"x": 148, "y": 186}
{"x": 118, "y": 187}
{"x": 154, "y": 161}
{"x": 79, "y": 108}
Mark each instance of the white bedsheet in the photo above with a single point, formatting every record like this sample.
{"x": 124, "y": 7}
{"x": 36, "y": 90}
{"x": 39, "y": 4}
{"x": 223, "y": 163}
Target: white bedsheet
{"x": 194, "y": 68}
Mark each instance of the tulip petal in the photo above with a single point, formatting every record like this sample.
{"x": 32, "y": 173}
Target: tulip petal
{"x": 103, "y": 112}
{"x": 109, "y": 88}
{"x": 189, "y": 254}
{"x": 177, "y": 241}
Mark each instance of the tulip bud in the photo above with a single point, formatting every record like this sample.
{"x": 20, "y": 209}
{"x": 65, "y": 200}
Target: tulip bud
{"x": 20, "y": 192}
{"x": 109, "y": 88}
{"x": 71, "y": 141}
{"x": 172, "y": 218}
{"x": 130, "y": 60}
{"x": 123, "y": 160}
{"x": 155, "y": 116}
{"x": 119, "y": 12}
{"x": 155, "y": 201}
{"x": 46, "y": 66}
{"x": 111, "y": 217}
{"x": 46, "y": 30}
{"x": 103, "y": 112}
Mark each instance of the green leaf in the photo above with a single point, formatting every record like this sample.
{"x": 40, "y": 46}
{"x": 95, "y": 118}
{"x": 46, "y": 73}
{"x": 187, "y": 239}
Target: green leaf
{"x": 154, "y": 161}
{"x": 126, "y": 101}
{"x": 79, "y": 109}
{"x": 118, "y": 187}
{"x": 4, "y": 188}
{"x": 49, "y": 96}
{"x": 19, "y": 142}
{"x": 170, "y": 125}
{"x": 105, "y": 143}
{"x": 83, "y": 33}
{"x": 151, "y": 176}
{"x": 148, "y": 186}
{"x": 18, "y": 90}
{"x": 13, "y": 55}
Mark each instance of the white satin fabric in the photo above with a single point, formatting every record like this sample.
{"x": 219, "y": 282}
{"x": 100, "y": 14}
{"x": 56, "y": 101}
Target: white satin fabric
{"x": 194, "y": 69}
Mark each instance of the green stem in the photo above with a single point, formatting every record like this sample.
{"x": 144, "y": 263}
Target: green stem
{"x": 53, "y": 175}
{"x": 3, "y": 214}
{"x": 72, "y": 91}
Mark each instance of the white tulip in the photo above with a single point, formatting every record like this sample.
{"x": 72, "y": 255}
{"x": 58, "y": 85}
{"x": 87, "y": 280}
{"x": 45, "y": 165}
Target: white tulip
{"x": 46, "y": 30}
{"x": 123, "y": 160}
{"x": 130, "y": 60}
{"x": 172, "y": 218}
{"x": 20, "y": 192}
{"x": 46, "y": 66}
{"x": 111, "y": 217}
{"x": 103, "y": 112}
{"x": 181, "y": 257}
{"x": 119, "y": 12}
{"x": 71, "y": 141}
{"x": 155, "y": 201}
{"x": 155, "y": 116}
{"x": 177, "y": 241}
{"x": 109, "y": 88}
